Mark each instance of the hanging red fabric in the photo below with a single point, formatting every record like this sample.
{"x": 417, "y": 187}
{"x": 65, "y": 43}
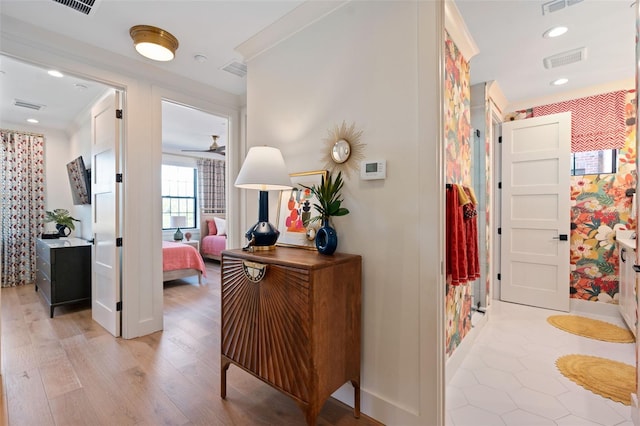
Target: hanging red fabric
{"x": 462, "y": 235}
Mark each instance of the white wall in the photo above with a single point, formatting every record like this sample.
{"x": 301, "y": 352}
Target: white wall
{"x": 375, "y": 64}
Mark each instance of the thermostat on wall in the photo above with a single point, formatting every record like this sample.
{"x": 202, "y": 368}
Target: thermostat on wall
{"x": 370, "y": 170}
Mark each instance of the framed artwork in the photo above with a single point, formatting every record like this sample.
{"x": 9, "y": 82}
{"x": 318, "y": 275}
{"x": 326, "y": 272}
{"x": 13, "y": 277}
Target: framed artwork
{"x": 296, "y": 206}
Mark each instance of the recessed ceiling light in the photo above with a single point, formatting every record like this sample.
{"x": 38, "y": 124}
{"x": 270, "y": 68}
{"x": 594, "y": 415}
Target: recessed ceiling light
{"x": 32, "y": 120}
{"x": 55, "y": 73}
{"x": 560, "y": 81}
{"x": 555, "y": 32}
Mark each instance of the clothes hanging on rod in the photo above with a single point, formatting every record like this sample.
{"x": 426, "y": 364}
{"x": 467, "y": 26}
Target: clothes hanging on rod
{"x": 462, "y": 235}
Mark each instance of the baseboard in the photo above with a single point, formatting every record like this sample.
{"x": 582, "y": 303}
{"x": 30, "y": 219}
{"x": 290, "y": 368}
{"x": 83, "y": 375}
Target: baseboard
{"x": 461, "y": 352}
{"x": 595, "y": 308}
{"x": 378, "y": 408}
{"x": 4, "y": 408}
{"x": 635, "y": 410}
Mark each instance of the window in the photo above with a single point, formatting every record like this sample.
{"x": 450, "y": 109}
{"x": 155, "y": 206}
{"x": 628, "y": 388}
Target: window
{"x": 178, "y": 194}
{"x": 594, "y": 162}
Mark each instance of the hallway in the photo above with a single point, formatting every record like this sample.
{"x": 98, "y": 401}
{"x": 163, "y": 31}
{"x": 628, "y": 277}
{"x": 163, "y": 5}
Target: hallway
{"x": 509, "y": 376}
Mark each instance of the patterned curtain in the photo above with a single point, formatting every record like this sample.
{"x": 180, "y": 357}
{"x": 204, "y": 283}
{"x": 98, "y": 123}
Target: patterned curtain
{"x": 22, "y": 201}
{"x": 597, "y": 122}
{"x": 211, "y": 182}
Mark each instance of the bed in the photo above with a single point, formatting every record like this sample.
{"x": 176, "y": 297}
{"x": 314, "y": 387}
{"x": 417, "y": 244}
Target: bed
{"x": 181, "y": 261}
{"x": 213, "y": 235}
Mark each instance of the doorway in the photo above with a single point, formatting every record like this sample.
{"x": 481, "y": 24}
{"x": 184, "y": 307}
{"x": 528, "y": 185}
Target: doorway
{"x": 194, "y": 184}
{"x": 58, "y": 106}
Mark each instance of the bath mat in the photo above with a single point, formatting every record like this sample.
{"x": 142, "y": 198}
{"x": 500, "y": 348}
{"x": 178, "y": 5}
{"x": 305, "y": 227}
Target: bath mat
{"x": 592, "y": 328}
{"x": 610, "y": 379}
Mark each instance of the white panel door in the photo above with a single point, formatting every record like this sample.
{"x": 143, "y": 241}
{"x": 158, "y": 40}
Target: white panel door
{"x": 105, "y": 285}
{"x": 536, "y": 214}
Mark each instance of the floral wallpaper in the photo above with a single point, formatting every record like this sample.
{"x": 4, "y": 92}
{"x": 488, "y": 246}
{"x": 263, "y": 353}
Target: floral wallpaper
{"x": 458, "y": 170}
{"x": 599, "y": 207}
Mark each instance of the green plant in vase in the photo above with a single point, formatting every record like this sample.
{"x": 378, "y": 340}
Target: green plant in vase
{"x": 329, "y": 204}
{"x": 63, "y": 219}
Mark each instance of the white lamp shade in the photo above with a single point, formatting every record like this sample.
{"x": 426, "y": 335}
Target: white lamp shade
{"x": 177, "y": 221}
{"x": 264, "y": 169}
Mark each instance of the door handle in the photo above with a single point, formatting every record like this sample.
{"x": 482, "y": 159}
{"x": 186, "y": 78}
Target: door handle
{"x": 561, "y": 237}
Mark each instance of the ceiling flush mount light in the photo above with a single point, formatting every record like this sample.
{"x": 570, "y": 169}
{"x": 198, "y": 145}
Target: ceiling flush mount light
{"x": 560, "y": 81}
{"x": 555, "y": 32}
{"x": 153, "y": 42}
{"x": 55, "y": 73}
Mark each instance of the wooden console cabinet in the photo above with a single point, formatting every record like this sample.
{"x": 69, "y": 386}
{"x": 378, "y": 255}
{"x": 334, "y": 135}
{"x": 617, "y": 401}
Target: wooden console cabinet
{"x": 63, "y": 271}
{"x": 291, "y": 317}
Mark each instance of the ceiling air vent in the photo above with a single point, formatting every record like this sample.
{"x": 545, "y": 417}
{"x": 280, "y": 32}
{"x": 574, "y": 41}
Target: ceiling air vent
{"x": 82, "y": 6}
{"x": 556, "y": 5}
{"x": 26, "y": 104}
{"x": 237, "y": 68}
{"x": 565, "y": 58}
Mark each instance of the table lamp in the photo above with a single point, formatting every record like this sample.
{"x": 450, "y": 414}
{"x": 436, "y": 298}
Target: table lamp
{"x": 177, "y": 222}
{"x": 263, "y": 169}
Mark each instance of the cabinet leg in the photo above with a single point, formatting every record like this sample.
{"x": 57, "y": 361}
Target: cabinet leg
{"x": 311, "y": 414}
{"x": 356, "y": 398}
{"x": 51, "y": 311}
{"x": 224, "y": 366}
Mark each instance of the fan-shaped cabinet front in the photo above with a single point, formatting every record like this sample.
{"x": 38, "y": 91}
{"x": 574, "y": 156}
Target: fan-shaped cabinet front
{"x": 291, "y": 317}
{"x": 271, "y": 318}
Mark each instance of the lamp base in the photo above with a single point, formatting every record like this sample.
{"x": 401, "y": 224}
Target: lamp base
{"x": 262, "y": 236}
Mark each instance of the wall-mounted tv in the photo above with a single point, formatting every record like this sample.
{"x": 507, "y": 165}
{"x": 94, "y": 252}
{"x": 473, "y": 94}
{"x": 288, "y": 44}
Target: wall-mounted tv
{"x": 80, "y": 181}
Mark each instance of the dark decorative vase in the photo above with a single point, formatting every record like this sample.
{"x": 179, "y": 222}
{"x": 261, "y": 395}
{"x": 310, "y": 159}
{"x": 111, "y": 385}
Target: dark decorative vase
{"x": 326, "y": 238}
{"x": 63, "y": 230}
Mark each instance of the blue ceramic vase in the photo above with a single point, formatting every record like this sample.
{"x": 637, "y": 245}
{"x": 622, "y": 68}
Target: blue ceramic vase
{"x": 326, "y": 238}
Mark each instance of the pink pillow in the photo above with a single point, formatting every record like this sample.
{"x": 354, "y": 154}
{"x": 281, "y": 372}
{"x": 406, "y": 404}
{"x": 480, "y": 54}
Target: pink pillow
{"x": 211, "y": 225}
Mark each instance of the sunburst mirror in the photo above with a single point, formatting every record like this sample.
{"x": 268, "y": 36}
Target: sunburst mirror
{"x": 343, "y": 149}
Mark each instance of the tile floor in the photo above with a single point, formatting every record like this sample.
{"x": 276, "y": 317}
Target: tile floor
{"x": 509, "y": 376}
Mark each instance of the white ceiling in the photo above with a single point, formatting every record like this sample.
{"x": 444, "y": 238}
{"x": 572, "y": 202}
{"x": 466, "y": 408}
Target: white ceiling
{"x": 507, "y": 32}
{"x": 512, "y": 49}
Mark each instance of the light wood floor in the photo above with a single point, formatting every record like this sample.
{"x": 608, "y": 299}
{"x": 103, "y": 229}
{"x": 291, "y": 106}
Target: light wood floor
{"x": 69, "y": 371}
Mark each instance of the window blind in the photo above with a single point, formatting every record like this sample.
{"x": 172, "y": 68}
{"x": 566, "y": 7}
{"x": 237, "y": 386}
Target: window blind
{"x": 597, "y": 122}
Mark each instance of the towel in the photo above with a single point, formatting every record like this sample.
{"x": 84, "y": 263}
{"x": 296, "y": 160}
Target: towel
{"x": 456, "y": 250}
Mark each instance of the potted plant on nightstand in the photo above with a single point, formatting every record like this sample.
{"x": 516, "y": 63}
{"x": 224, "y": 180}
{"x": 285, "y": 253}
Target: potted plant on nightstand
{"x": 329, "y": 204}
{"x": 64, "y": 221}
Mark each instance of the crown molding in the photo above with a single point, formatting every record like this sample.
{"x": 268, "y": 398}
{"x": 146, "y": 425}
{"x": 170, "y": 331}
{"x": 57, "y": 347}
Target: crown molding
{"x": 458, "y": 31}
{"x": 291, "y": 23}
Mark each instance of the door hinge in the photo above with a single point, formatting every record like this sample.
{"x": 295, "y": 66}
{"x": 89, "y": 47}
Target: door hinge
{"x": 118, "y": 306}
{"x": 499, "y": 277}
{"x": 119, "y": 113}
{"x": 119, "y": 177}
{"x": 499, "y": 231}
{"x": 119, "y": 242}
{"x": 499, "y": 139}
{"x": 499, "y": 185}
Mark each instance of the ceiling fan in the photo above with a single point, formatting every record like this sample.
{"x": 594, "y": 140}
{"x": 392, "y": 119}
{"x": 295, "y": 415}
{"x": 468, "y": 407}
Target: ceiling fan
{"x": 214, "y": 148}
